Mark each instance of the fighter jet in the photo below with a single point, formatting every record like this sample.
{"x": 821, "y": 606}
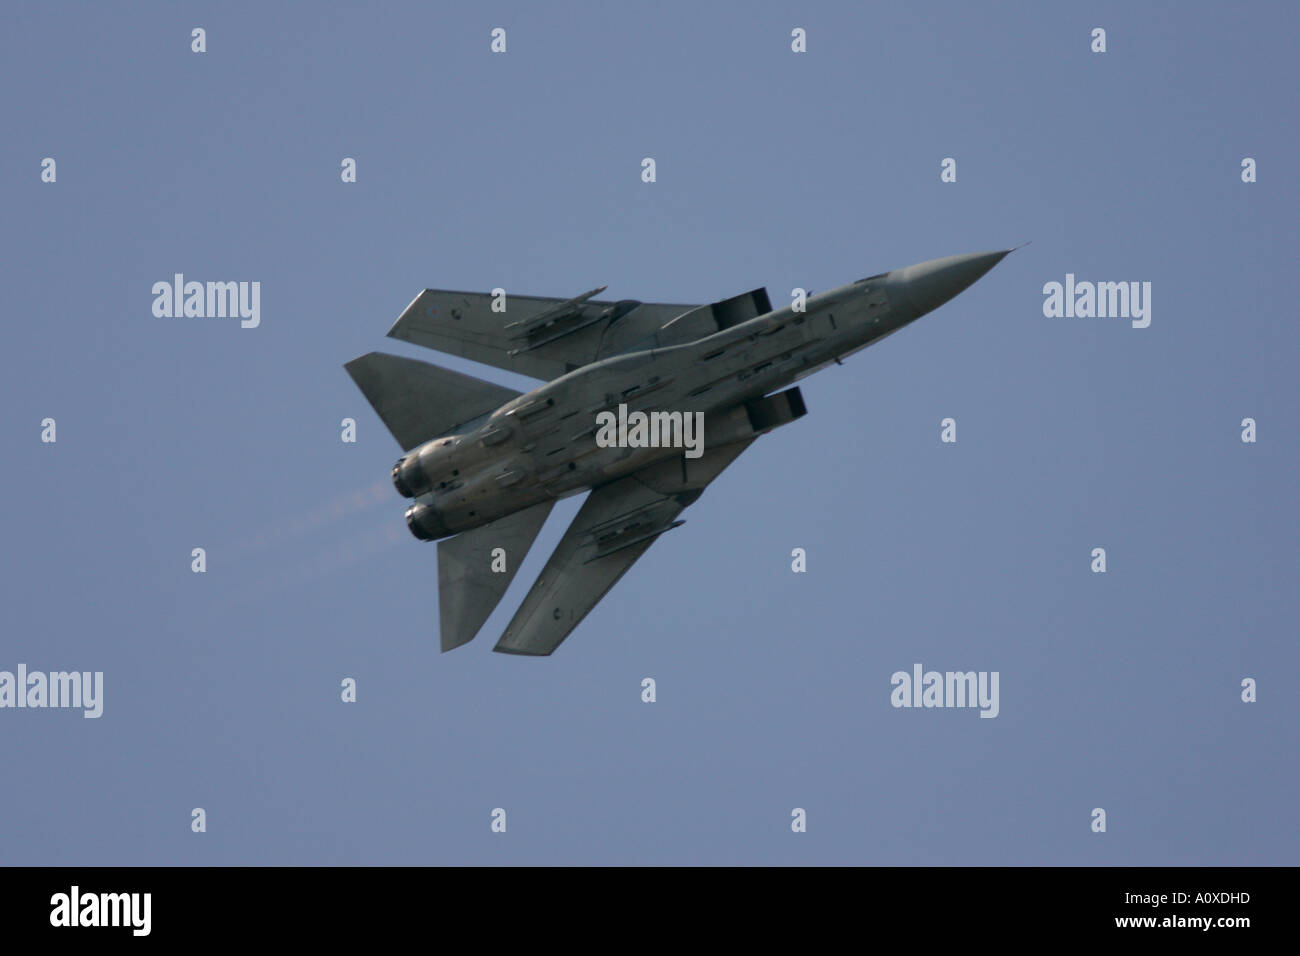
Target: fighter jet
{"x": 644, "y": 404}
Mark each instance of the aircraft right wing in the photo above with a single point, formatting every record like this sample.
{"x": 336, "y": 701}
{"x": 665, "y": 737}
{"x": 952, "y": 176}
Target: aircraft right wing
{"x": 616, "y": 525}
{"x": 539, "y": 337}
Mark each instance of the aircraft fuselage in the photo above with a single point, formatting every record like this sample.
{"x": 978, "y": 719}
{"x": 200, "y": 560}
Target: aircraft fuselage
{"x": 543, "y": 444}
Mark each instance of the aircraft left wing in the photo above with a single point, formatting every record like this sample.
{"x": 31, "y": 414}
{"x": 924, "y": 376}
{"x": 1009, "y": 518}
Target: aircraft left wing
{"x": 539, "y": 337}
{"x": 616, "y": 525}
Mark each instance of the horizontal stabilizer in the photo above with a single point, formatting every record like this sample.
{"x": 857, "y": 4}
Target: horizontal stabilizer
{"x": 473, "y": 575}
{"x": 419, "y": 401}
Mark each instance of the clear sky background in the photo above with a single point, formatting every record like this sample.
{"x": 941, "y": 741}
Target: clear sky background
{"x": 222, "y": 690}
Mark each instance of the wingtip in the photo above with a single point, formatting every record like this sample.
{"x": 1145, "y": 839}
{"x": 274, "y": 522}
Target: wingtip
{"x": 519, "y": 652}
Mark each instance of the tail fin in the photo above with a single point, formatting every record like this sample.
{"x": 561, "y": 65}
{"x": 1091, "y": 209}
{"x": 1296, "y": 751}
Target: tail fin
{"x": 419, "y": 401}
{"x": 469, "y": 586}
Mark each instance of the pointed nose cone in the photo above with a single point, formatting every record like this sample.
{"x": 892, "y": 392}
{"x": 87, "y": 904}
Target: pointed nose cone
{"x": 928, "y": 285}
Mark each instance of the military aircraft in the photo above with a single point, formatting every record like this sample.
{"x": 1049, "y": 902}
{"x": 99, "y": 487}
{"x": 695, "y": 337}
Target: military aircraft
{"x": 625, "y": 382}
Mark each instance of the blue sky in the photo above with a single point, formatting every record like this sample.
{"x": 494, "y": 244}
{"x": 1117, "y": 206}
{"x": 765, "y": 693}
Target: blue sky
{"x": 221, "y": 690}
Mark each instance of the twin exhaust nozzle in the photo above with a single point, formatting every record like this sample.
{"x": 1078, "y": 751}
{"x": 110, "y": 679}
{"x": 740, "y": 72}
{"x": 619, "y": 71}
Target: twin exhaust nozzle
{"x": 423, "y": 522}
{"x": 400, "y": 480}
